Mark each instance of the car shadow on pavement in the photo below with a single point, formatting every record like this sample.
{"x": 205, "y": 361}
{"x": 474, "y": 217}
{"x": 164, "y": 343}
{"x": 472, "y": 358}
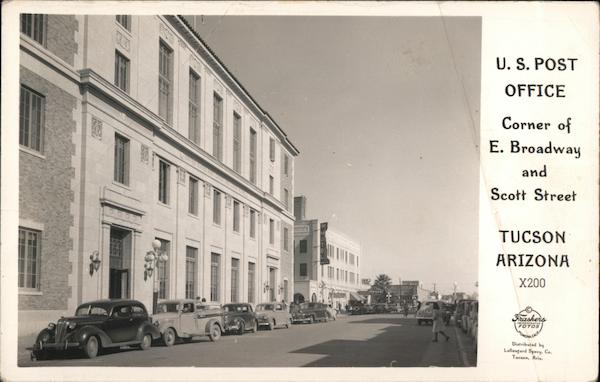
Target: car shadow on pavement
{"x": 396, "y": 345}
{"x": 386, "y": 320}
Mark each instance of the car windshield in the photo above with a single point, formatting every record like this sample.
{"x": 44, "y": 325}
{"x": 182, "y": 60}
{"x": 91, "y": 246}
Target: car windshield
{"x": 235, "y": 308}
{"x": 91, "y": 310}
{"x": 167, "y": 307}
{"x": 264, "y": 307}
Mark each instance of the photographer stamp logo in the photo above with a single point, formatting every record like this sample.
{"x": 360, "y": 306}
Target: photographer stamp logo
{"x": 528, "y": 322}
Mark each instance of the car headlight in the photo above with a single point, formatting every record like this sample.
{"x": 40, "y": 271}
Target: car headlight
{"x": 51, "y": 326}
{"x": 156, "y": 323}
{"x": 72, "y": 325}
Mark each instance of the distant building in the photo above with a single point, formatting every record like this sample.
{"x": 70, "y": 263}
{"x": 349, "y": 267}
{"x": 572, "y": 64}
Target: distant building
{"x": 326, "y": 262}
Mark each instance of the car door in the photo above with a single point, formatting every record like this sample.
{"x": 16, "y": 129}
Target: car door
{"x": 280, "y": 314}
{"x": 187, "y": 322}
{"x": 118, "y": 325}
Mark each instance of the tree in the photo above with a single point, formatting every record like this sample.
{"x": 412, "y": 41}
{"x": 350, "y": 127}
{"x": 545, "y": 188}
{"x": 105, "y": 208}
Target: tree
{"x": 380, "y": 288}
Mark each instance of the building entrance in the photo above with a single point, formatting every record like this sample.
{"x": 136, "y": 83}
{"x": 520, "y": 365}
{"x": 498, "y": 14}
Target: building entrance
{"x": 120, "y": 262}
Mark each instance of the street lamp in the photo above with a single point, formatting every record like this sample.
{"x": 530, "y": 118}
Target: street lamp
{"x": 153, "y": 258}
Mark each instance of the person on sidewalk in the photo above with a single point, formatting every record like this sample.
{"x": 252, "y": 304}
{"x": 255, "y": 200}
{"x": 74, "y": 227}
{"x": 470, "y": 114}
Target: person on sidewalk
{"x": 438, "y": 323}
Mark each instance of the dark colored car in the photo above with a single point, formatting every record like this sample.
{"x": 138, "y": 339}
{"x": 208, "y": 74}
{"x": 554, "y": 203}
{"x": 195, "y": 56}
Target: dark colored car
{"x": 96, "y": 325}
{"x": 239, "y": 317}
{"x": 309, "y": 312}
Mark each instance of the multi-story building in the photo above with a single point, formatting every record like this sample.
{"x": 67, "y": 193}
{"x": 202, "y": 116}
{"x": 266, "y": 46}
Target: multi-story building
{"x": 326, "y": 262}
{"x": 132, "y": 131}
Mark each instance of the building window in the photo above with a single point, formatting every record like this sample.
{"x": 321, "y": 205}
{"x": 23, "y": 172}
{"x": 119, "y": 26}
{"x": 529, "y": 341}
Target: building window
{"x": 237, "y": 143}
{"x": 252, "y": 224}
{"x": 191, "y": 271}
{"x": 285, "y": 238}
{"x": 303, "y": 246}
{"x": 163, "y": 182}
{"x": 252, "y": 156}
{"x": 272, "y": 149}
{"x": 271, "y": 185}
{"x": 165, "y": 78}
{"x": 121, "y": 170}
{"x": 271, "y": 231}
{"x": 34, "y": 26}
{"x": 215, "y": 276}
{"x": 303, "y": 269}
{"x": 121, "y": 72}
{"x": 235, "y": 279}
{"x": 286, "y": 165}
{"x": 194, "y": 108}
{"x": 337, "y": 273}
{"x": 125, "y": 21}
{"x": 251, "y": 281}
{"x": 217, "y": 127}
{"x": 216, "y": 207}
{"x": 236, "y": 216}
{"x": 31, "y": 120}
{"x": 286, "y": 198}
{"x": 30, "y": 252}
{"x": 163, "y": 270}
{"x": 193, "y": 200}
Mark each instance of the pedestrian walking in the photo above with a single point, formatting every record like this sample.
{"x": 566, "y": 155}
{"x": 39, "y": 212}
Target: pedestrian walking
{"x": 438, "y": 323}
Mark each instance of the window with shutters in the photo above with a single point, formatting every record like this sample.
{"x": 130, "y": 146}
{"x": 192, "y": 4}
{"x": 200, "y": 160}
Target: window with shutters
{"x": 251, "y": 281}
{"x": 125, "y": 21}
{"x": 217, "y": 127}
{"x": 163, "y": 270}
{"x": 121, "y": 72}
{"x": 216, "y": 207}
{"x": 121, "y": 160}
{"x": 235, "y": 279}
{"x": 193, "y": 197}
{"x": 303, "y": 269}
{"x": 236, "y": 216}
{"x": 215, "y": 276}
{"x": 272, "y": 149}
{"x": 34, "y": 26}
{"x": 271, "y": 231}
{"x": 252, "y": 156}
{"x": 303, "y": 246}
{"x": 252, "y": 224}
{"x": 164, "y": 170}
{"x": 194, "y": 108}
{"x": 31, "y": 119}
{"x": 165, "y": 82}
{"x": 191, "y": 271}
{"x": 30, "y": 252}
{"x": 237, "y": 143}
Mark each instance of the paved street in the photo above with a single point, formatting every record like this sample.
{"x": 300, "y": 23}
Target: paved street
{"x": 366, "y": 340}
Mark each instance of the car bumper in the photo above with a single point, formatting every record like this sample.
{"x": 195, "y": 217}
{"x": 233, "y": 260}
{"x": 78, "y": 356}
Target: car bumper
{"x": 39, "y": 346}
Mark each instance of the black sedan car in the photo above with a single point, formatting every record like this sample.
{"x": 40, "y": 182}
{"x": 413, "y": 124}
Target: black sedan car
{"x": 96, "y": 325}
{"x": 309, "y": 312}
{"x": 239, "y": 317}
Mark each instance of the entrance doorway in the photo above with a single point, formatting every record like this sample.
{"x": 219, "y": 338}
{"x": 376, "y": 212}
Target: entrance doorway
{"x": 120, "y": 262}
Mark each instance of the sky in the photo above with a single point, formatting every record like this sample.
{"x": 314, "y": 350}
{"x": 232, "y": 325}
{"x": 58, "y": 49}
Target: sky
{"x": 385, "y": 113}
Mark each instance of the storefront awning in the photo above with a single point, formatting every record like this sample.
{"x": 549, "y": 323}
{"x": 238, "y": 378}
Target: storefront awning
{"x": 356, "y": 297}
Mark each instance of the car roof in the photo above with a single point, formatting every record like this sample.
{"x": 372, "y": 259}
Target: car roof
{"x": 177, "y": 301}
{"x": 110, "y": 303}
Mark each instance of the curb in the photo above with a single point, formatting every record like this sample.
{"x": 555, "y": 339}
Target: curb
{"x": 461, "y": 349}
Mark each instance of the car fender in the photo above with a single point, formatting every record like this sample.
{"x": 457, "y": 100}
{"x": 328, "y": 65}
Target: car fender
{"x": 210, "y": 322}
{"x": 86, "y": 332}
{"x": 165, "y": 324}
{"x": 147, "y": 327}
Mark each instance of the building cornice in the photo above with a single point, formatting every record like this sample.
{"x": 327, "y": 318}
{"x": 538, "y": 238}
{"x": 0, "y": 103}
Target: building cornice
{"x": 51, "y": 60}
{"x": 201, "y": 48}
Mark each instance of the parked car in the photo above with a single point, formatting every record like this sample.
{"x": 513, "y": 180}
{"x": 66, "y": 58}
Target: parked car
{"x": 239, "y": 317}
{"x": 461, "y": 312}
{"x": 185, "y": 319}
{"x": 97, "y": 325}
{"x": 425, "y": 312}
{"x": 309, "y": 312}
{"x": 273, "y": 314}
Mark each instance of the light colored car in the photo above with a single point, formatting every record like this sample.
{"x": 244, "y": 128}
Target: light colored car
{"x": 185, "y": 319}
{"x": 273, "y": 314}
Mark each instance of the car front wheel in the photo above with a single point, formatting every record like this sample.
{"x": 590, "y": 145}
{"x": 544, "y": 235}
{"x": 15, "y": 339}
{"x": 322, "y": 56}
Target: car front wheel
{"x": 169, "y": 337}
{"x": 215, "y": 333}
{"x": 146, "y": 342}
{"x": 91, "y": 347}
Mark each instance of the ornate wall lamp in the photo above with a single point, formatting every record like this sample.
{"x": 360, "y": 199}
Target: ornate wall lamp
{"x": 153, "y": 258}
{"x": 95, "y": 262}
